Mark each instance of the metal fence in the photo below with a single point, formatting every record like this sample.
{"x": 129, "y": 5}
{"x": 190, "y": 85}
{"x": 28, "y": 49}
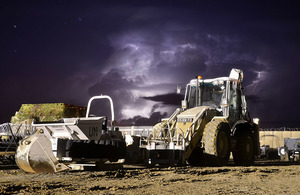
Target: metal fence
{"x": 10, "y": 134}
{"x": 280, "y": 129}
{"x": 20, "y": 130}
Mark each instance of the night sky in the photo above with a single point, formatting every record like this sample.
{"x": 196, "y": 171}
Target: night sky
{"x": 139, "y": 51}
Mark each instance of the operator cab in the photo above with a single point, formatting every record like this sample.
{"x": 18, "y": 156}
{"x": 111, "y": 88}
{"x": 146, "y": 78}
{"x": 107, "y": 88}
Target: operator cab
{"x": 223, "y": 94}
{"x": 208, "y": 94}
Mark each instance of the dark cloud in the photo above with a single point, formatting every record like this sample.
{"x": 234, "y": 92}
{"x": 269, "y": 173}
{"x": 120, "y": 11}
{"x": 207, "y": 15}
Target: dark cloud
{"x": 137, "y": 52}
{"x": 167, "y": 99}
{"x": 254, "y": 99}
{"x": 141, "y": 121}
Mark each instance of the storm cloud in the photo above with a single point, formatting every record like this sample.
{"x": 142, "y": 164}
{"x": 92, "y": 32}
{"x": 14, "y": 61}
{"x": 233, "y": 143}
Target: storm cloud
{"x": 168, "y": 99}
{"x": 138, "y": 53}
{"x": 175, "y": 53}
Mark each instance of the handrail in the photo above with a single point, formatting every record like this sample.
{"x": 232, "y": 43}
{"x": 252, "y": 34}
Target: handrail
{"x": 102, "y": 97}
{"x": 177, "y": 111}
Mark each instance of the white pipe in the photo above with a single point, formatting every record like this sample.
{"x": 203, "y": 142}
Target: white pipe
{"x": 102, "y": 97}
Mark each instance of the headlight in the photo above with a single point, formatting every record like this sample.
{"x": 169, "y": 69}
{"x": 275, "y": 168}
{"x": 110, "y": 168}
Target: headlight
{"x": 281, "y": 151}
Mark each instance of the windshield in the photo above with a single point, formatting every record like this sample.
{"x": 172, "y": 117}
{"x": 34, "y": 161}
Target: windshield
{"x": 209, "y": 94}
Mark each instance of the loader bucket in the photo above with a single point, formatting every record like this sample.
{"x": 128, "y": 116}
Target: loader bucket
{"x": 34, "y": 154}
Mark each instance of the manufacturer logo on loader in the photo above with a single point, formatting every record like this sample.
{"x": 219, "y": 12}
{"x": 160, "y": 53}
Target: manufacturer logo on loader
{"x": 93, "y": 131}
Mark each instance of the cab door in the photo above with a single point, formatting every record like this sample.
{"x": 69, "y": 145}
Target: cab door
{"x": 235, "y": 102}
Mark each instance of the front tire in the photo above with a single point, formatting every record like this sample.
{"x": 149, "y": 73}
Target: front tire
{"x": 216, "y": 142}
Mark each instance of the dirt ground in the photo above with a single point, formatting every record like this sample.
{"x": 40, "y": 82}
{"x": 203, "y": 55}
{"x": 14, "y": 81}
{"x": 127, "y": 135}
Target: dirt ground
{"x": 263, "y": 178}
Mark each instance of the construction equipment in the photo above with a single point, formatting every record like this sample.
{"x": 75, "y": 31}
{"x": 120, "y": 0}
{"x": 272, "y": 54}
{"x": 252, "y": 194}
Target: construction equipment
{"x": 291, "y": 149}
{"x": 212, "y": 122}
{"x": 82, "y": 139}
{"x": 20, "y": 125}
{"x": 264, "y": 151}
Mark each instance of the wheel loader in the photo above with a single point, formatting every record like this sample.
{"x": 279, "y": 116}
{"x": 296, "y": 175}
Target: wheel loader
{"x": 212, "y": 123}
{"x": 55, "y": 144}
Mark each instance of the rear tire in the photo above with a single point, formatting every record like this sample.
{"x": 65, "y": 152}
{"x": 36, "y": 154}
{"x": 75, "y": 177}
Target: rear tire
{"x": 244, "y": 153}
{"x": 216, "y": 143}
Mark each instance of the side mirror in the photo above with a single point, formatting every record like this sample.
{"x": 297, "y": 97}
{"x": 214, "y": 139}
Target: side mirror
{"x": 178, "y": 89}
{"x": 183, "y": 104}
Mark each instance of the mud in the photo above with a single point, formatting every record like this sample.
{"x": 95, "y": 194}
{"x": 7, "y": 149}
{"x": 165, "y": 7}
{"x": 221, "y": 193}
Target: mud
{"x": 263, "y": 178}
